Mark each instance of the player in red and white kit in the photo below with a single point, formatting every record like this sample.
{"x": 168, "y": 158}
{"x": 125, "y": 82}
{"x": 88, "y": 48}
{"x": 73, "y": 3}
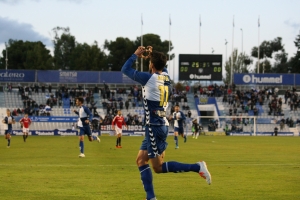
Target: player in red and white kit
{"x": 25, "y": 122}
{"x": 117, "y": 123}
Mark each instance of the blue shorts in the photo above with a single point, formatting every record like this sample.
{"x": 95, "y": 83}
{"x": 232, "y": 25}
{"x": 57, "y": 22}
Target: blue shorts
{"x": 179, "y": 130}
{"x": 155, "y": 140}
{"x": 85, "y": 130}
{"x": 8, "y": 131}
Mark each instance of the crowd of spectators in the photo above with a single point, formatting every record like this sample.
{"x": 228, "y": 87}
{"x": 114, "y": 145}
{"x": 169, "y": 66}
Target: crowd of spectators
{"x": 52, "y": 98}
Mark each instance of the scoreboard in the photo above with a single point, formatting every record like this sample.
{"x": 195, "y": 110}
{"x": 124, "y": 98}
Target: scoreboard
{"x": 200, "y": 67}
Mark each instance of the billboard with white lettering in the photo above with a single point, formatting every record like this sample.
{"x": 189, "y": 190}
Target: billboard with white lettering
{"x": 50, "y": 76}
{"x": 264, "y": 79}
{"x": 17, "y": 75}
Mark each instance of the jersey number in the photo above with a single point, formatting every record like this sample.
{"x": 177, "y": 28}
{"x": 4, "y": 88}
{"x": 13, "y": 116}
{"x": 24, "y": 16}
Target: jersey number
{"x": 164, "y": 95}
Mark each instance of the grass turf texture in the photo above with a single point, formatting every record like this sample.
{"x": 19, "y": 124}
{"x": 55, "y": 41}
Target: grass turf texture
{"x": 48, "y": 167}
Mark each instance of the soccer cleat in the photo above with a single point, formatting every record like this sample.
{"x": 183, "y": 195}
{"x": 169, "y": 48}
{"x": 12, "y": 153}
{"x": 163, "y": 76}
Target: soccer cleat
{"x": 154, "y": 198}
{"x": 193, "y": 136}
{"x": 8, "y": 146}
{"x": 203, "y": 172}
{"x": 184, "y": 138}
{"x": 196, "y": 137}
{"x": 177, "y": 147}
{"x": 119, "y": 147}
{"x": 98, "y": 139}
{"x": 81, "y": 155}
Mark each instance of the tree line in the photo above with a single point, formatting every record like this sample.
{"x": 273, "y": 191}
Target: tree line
{"x": 70, "y": 54}
{"x": 272, "y": 59}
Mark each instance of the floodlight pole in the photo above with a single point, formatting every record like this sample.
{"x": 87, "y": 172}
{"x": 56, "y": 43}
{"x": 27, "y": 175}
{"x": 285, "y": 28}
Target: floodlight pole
{"x": 6, "y": 59}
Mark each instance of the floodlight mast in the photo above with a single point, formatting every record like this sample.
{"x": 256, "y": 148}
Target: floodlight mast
{"x": 6, "y": 59}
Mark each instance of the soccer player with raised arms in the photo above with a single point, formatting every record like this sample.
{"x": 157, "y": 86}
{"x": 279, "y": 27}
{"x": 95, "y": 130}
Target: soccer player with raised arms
{"x": 156, "y": 91}
{"x": 84, "y": 118}
{"x": 25, "y": 122}
{"x": 9, "y": 121}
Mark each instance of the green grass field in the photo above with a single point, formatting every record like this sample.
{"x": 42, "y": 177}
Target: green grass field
{"x": 48, "y": 167}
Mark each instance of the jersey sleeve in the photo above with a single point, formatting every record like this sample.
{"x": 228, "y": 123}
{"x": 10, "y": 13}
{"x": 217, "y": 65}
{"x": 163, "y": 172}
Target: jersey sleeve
{"x": 140, "y": 77}
{"x": 174, "y": 115}
{"x": 88, "y": 112}
{"x": 182, "y": 116}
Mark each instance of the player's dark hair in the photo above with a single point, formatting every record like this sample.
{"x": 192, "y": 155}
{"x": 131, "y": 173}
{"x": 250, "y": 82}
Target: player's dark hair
{"x": 158, "y": 59}
{"x": 80, "y": 99}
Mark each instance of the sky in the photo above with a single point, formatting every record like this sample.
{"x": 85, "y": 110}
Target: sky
{"x": 100, "y": 20}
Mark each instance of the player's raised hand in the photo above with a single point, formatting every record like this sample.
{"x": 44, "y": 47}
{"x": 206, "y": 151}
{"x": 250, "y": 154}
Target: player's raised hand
{"x": 139, "y": 51}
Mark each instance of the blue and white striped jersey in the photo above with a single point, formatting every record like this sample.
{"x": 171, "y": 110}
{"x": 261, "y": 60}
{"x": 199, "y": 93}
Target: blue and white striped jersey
{"x": 7, "y": 120}
{"x": 156, "y": 91}
{"x": 178, "y": 122}
{"x": 84, "y": 113}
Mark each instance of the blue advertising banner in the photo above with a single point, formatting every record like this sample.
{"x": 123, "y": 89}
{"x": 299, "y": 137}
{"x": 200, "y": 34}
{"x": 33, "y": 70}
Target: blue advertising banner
{"x": 297, "y": 79}
{"x": 264, "y": 79}
{"x": 17, "y": 75}
{"x": 67, "y": 77}
{"x": 128, "y": 80}
{"x": 50, "y": 119}
{"x": 110, "y": 77}
{"x": 114, "y": 77}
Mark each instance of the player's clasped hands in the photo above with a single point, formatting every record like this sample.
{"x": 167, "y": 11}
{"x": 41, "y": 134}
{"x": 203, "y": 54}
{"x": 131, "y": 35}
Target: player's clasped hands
{"x": 139, "y": 51}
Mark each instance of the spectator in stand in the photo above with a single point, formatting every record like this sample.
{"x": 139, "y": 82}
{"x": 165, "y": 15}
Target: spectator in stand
{"x": 230, "y": 111}
{"x": 19, "y": 111}
{"x": 43, "y": 88}
{"x": 235, "y": 110}
{"x": 140, "y": 120}
{"x": 49, "y": 88}
{"x": 255, "y": 111}
{"x": 189, "y": 114}
{"x": 36, "y": 88}
{"x": 9, "y": 87}
{"x": 127, "y": 104}
{"x": 187, "y": 89}
{"x": 31, "y": 88}
{"x": 87, "y": 99}
{"x": 47, "y": 110}
{"x": 121, "y": 105}
{"x": 14, "y": 112}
